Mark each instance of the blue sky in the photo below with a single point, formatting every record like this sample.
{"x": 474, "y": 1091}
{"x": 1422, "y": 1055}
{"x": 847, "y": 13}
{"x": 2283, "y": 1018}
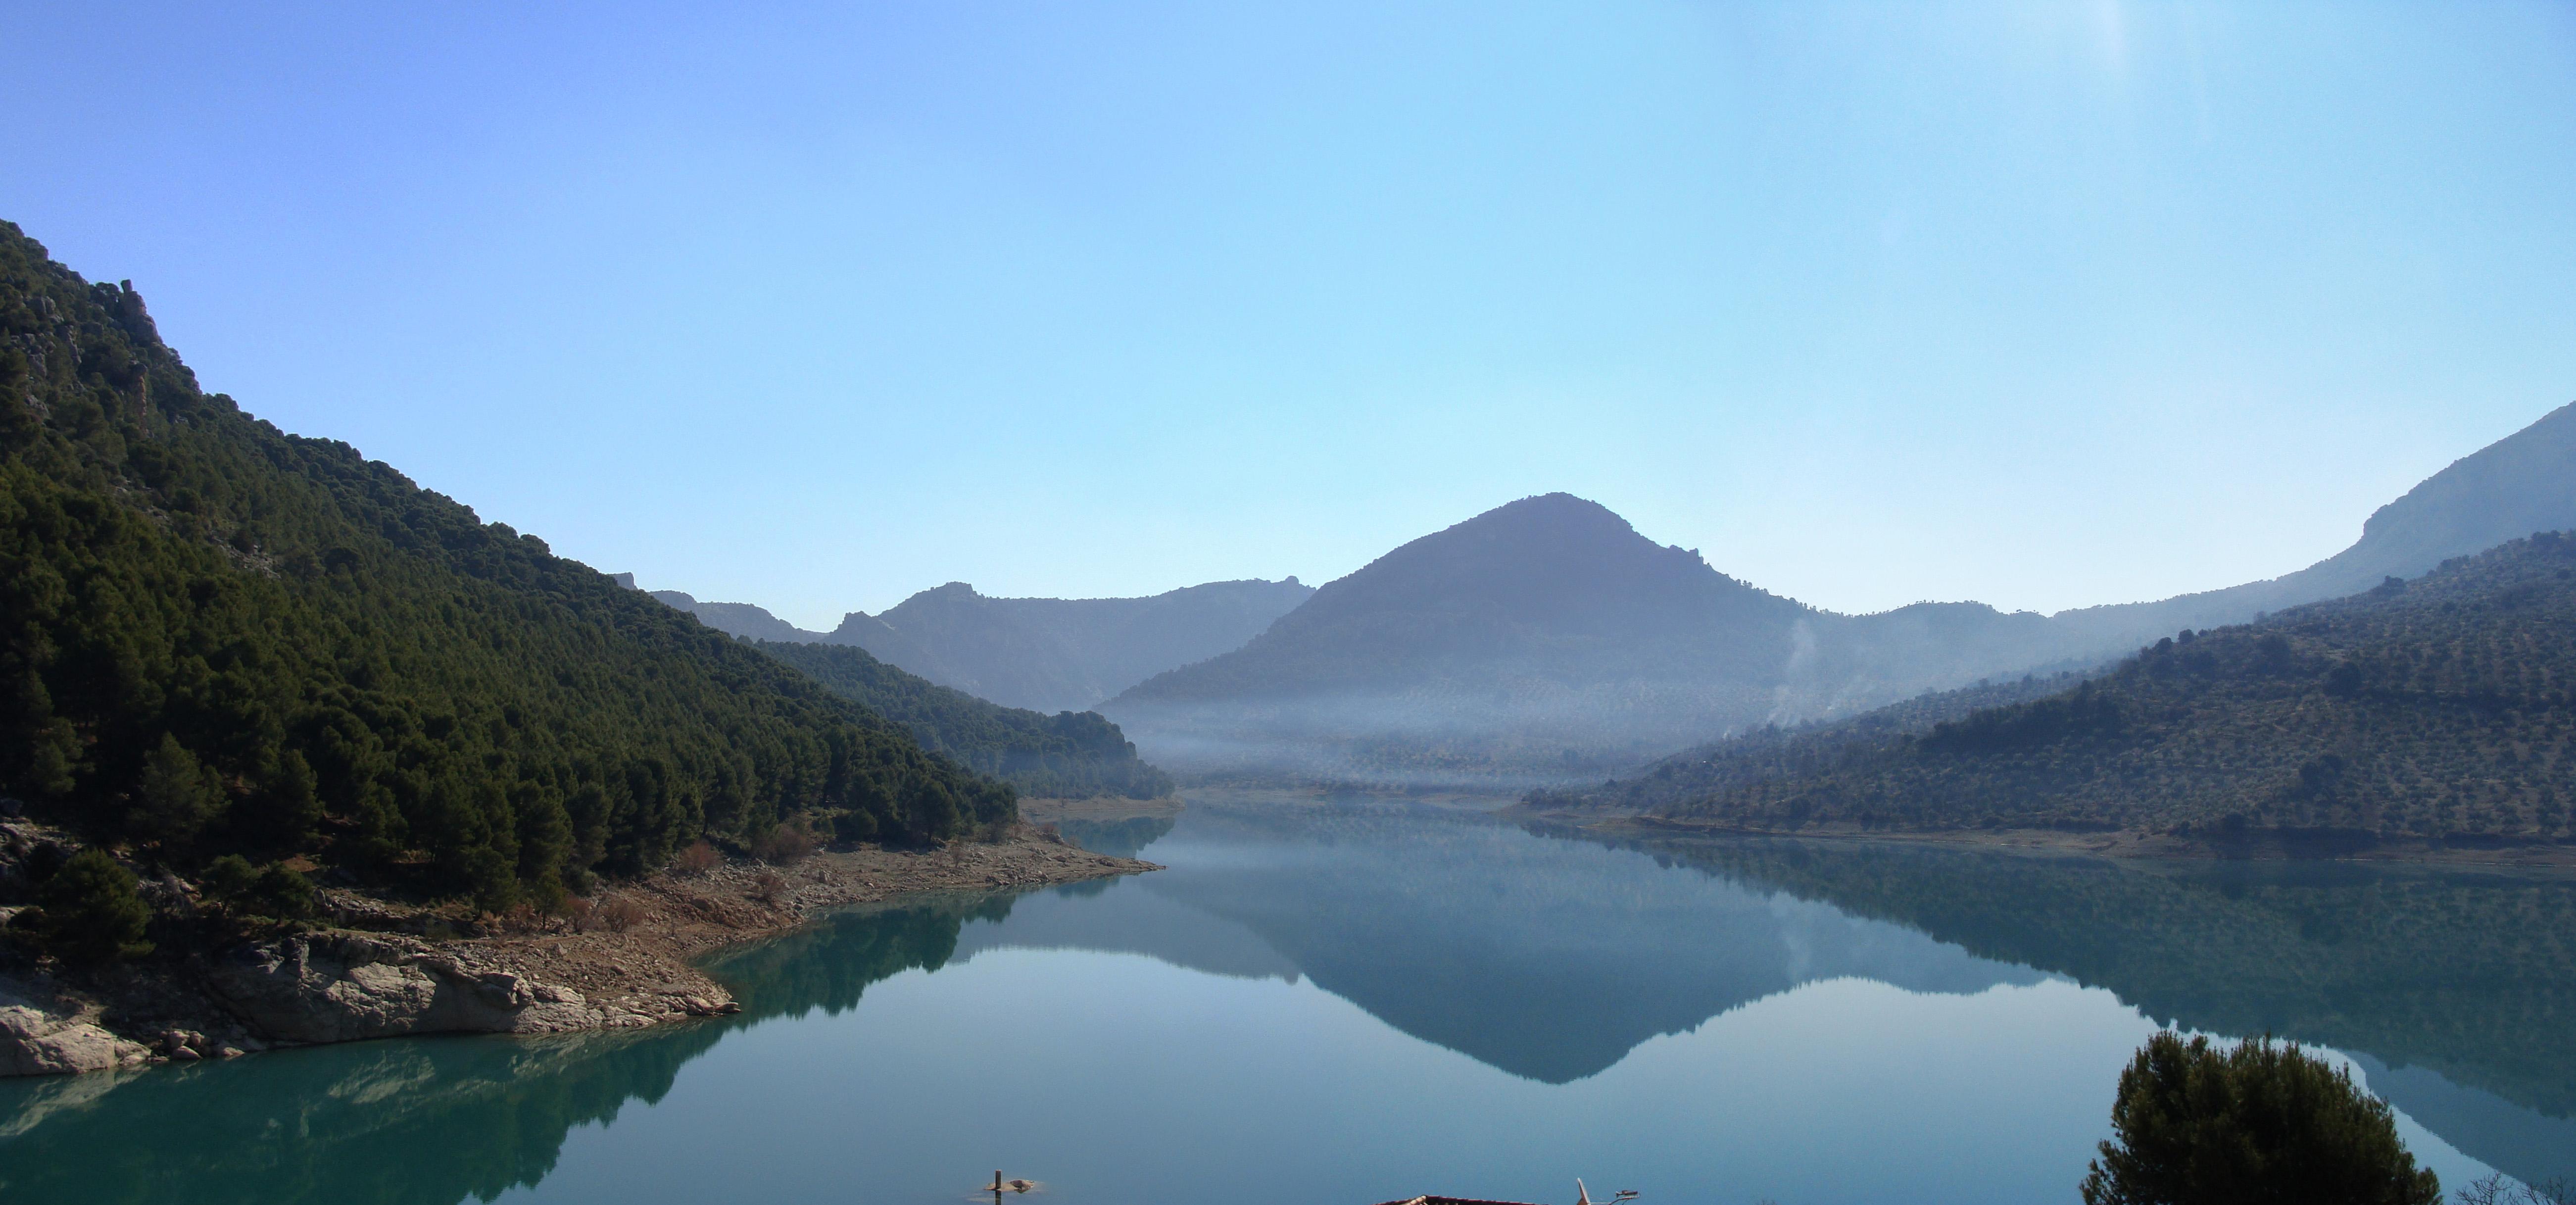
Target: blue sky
{"x": 818, "y": 305}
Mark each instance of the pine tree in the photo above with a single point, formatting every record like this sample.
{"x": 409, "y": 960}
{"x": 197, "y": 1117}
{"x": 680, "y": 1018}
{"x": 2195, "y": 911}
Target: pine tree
{"x": 176, "y": 796}
{"x": 89, "y": 911}
{"x": 2264, "y": 1121}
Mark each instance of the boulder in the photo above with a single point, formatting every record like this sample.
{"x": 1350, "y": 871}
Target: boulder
{"x": 341, "y": 987}
{"x": 34, "y": 1042}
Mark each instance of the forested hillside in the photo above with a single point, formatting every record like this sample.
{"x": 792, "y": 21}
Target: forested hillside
{"x": 216, "y": 637}
{"x": 1775, "y": 751}
{"x": 2443, "y": 708}
{"x": 1068, "y": 755}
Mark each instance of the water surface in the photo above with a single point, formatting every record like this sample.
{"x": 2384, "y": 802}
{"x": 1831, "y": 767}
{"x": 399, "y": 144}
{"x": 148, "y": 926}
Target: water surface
{"x": 1362, "y": 1000}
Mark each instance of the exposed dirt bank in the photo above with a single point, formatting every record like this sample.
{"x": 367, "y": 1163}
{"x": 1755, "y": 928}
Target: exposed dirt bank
{"x": 1295, "y": 796}
{"x": 1107, "y": 807}
{"x": 2257, "y": 845}
{"x": 382, "y": 970}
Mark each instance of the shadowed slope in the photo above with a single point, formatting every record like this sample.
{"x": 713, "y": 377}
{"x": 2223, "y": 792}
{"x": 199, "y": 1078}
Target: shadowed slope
{"x": 218, "y": 637}
{"x": 1068, "y": 755}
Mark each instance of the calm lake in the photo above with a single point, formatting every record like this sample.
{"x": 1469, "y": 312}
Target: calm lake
{"x": 1346, "y": 1002}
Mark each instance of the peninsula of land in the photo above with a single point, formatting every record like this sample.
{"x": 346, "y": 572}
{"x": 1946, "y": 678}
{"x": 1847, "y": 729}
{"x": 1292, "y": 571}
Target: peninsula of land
{"x": 373, "y": 968}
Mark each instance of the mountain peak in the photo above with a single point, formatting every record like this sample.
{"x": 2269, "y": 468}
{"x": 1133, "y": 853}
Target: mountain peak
{"x": 1538, "y": 618}
{"x": 1558, "y": 513}
{"x": 2500, "y": 492}
{"x": 1554, "y": 561}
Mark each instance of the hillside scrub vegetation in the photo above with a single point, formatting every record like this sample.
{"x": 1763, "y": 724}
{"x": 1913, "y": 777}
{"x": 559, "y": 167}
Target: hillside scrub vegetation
{"x": 217, "y": 638}
{"x": 2443, "y": 708}
{"x": 1783, "y": 751}
{"x": 1068, "y": 755}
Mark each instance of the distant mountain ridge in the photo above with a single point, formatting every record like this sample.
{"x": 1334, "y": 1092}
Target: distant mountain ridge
{"x": 2433, "y": 709}
{"x": 2518, "y": 485}
{"x": 736, "y": 619}
{"x": 1040, "y": 654}
{"x": 1068, "y": 755}
{"x": 1547, "y": 643}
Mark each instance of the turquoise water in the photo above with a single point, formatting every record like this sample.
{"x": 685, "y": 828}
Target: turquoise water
{"x": 1365, "y": 1000}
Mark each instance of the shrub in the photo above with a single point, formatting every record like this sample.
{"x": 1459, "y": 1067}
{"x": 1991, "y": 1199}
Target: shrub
{"x": 91, "y": 911}
{"x": 275, "y": 890}
{"x": 698, "y": 858}
{"x": 767, "y": 885}
{"x": 2261, "y": 1121}
{"x": 285, "y": 894}
{"x": 783, "y": 845}
{"x": 227, "y": 878}
{"x": 621, "y": 913}
{"x": 2496, "y": 1190}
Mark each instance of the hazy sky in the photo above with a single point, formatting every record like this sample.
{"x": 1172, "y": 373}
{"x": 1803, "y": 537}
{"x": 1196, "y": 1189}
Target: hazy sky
{"x": 818, "y": 305}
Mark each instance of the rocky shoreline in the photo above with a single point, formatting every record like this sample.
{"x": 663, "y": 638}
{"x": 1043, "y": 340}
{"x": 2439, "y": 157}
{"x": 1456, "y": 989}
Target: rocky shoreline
{"x": 381, "y": 969}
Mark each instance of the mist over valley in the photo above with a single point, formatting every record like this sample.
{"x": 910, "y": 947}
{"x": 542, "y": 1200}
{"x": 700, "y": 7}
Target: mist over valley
{"x": 1434, "y": 604}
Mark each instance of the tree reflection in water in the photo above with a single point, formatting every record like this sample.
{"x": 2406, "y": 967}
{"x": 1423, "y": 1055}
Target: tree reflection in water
{"x": 426, "y": 1121}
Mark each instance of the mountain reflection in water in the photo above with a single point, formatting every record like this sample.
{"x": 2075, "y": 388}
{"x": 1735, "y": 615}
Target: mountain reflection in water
{"x": 1547, "y": 958}
{"x": 1543, "y": 958}
{"x": 2454, "y": 990}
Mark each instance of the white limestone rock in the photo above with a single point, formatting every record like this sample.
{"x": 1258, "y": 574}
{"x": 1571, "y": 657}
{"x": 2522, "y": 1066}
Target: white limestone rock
{"x": 341, "y": 987}
{"x": 35, "y": 1042}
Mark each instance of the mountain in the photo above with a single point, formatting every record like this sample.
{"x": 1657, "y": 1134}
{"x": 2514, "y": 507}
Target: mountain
{"x": 1068, "y": 755}
{"x": 2523, "y": 483}
{"x": 1546, "y": 643}
{"x": 735, "y": 619}
{"x": 1043, "y": 654}
{"x": 2441, "y": 709}
{"x": 2519, "y": 485}
{"x": 216, "y": 637}
{"x": 1542, "y": 638}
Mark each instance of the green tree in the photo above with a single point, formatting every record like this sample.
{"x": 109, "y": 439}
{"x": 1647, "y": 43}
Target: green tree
{"x": 176, "y": 796}
{"x": 2262, "y": 1121}
{"x": 226, "y": 639}
{"x": 90, "y": 911}
{"x": 227, "y": 879}
{"x": 284, "y": 894}
{"x": 285, "y": 811}
{"x": 242, "y": 889}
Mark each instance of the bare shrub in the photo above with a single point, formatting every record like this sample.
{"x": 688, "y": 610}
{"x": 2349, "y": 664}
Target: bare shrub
{"x": 767, "y": 885}
{"x": 783, "y": 846}
{"x": 523, "y": 917}
{"x": 580, "y": 913}
{"x": 621, "y": 913}
{"x": 698, "y": 858}
{"x": 2497, "y": 1190}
